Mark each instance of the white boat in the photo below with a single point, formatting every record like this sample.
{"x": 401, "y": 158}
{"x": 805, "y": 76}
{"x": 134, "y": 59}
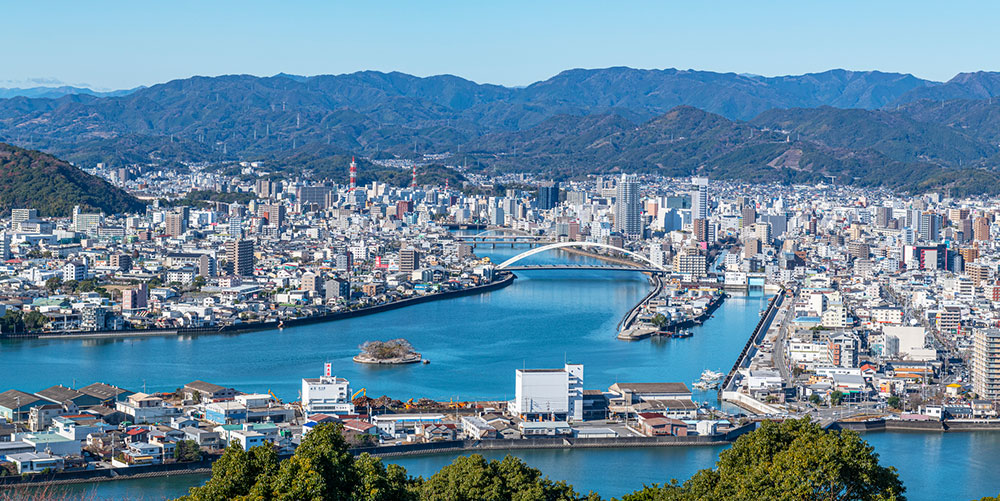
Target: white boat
{"x": 709, "y": 376}
{"x": 705, "y": 385}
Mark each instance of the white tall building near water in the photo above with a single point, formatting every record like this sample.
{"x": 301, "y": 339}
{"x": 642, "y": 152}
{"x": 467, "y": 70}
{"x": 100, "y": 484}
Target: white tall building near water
{"x": 628, "y": 206}
{"x": 548, "y": 393}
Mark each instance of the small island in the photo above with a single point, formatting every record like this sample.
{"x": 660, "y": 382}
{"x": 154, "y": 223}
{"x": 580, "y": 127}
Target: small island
{"x": 395, "y": 351}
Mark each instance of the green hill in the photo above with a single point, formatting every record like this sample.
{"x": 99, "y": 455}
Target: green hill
{"x": 32, "y": 179}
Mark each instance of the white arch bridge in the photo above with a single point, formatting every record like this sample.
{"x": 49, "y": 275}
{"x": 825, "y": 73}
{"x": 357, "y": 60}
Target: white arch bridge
{"x": 509, "y": 264}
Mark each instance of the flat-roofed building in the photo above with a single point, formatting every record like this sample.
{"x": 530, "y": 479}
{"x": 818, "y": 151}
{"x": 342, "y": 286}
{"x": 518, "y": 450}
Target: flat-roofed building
{"x": 548, "y": 393}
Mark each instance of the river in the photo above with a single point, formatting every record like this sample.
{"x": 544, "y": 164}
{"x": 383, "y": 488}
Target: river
{"x": 474, "y": 344}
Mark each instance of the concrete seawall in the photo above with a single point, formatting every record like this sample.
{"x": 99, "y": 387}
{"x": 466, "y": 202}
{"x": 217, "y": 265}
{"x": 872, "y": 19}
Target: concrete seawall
{"x": 876, "y": 425}
{"x": 261, "y": 326}
{"x": 423, "y": 449}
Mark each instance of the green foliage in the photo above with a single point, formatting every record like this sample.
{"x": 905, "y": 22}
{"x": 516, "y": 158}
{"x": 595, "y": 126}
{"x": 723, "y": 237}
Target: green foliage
{"x": 34, "y": 320}
{"x": 472, "y": 478}
{"x": 894, "y": 402}
{"x": 815, "y": 399}
{"x": 53, "y": 283}
{"x": 235, "y": 473}
{"x": 12, "y": 322}
{"x": 792, "y": 460}
{"x": 660, "y": 320}
{"x": 836, "y": 397}
{"x": 383, "y": 350}
{"x": 40, "y": 181}
{"x": 187, "y": 450}
{"x": 202, "y": 198}
{"x": 322, "y": 468}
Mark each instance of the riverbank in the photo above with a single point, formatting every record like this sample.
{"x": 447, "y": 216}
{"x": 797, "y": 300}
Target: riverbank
{"x": 391, "y": 451}
{"x": 504, "y": 281}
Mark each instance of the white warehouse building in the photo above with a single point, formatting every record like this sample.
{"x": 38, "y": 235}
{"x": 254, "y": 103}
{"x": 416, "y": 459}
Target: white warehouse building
{"x": 549, "y": 393}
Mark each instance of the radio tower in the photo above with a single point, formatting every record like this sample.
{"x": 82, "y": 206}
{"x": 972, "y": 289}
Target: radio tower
{"x": 445, "y": 184}
{"x": 413, "y": 184}
{"x": 354, "y": 175}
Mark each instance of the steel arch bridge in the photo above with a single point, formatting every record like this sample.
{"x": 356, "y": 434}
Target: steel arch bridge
{"x": 560, "y": 245}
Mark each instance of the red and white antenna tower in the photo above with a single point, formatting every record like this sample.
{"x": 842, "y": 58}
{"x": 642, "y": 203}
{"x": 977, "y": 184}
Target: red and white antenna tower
{"x": 354, "y": 175}
{"x": 413, "y": 184}
{"x": 445, "y": 184}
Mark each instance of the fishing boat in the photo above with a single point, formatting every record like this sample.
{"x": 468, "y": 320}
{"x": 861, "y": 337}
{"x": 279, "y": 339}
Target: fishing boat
{"x": 709, "y": 375}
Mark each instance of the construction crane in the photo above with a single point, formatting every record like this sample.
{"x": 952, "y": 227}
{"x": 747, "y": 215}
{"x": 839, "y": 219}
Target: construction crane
{"x": 362, "y": 391}
{"x": 409, "y": 403}
{"x": 275, "y": 397}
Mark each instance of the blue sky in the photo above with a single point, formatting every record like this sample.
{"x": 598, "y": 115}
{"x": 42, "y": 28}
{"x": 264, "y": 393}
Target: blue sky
{"x": 123, "y": 44}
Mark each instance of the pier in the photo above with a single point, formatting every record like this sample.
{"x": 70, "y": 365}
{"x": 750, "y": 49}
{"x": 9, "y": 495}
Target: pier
{"x": 624, "y": 325}
{"x": 728, "y": 392}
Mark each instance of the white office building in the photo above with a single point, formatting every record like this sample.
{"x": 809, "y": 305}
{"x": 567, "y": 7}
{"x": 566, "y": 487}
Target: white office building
{"x": 327, "y": 395}
{"x": 549, "y": 393}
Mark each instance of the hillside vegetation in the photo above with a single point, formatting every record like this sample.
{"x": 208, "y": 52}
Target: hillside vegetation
{"x": 32, "y": 179}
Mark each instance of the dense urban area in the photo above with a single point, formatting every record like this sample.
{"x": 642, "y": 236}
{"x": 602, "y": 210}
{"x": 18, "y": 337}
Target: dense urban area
{"x": 881, "y": 312}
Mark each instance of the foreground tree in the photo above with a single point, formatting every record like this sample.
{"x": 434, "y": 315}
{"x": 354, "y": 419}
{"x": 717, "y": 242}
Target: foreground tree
{"x": 793, "y": 460}
{"x": 321, "y": 469}
{"x": 472, "y": 478}
{"x": 235, "y": 473}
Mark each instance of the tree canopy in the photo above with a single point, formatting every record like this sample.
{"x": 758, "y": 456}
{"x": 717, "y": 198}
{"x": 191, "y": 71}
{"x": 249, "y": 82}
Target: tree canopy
{"x": 791, "y": 461}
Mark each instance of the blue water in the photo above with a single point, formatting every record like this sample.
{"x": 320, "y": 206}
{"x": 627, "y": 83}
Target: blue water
{"x": 475, "y": 343}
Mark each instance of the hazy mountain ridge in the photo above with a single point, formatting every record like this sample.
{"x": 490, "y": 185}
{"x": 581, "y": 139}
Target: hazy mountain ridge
{"x": 576, "y": 122}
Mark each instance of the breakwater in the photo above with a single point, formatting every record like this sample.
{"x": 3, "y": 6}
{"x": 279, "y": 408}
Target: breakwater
{"x": 874, "y": 425}
{"x": 505, "y": 280}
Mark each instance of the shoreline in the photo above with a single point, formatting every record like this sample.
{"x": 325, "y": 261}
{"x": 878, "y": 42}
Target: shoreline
{"x": 506, "y": 280}
{"x": 203, "y": 467}
{"x": 471, "y": 446}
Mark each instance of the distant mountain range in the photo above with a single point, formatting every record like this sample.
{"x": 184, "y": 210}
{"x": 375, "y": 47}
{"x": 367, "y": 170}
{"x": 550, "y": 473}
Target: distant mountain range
{"x": 858, "y": 127}
{"x": 62, "y": 90}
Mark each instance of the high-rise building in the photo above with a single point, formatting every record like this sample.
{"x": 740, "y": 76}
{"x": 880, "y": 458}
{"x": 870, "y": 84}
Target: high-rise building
{"x": 981, "y": 228}
{"x": 748, "y": 215}
{"x": 700, "y": 229}
{"x": 882, "y": 216}
{"x": 85, "y": 222}
{"x": 274, "y": 213}
{"x": 699, "y": 198}
{"x": 239, "y": 254}
{"x": 314, "y": 195}
{"x": 175, "y": 223}
{"x": 265, "y": 188}
{"x": 409, "y": 260}
{"x": 628, "y": 207}
{"x": 930, "y": 226}
{"x": 548, "y": 195}
{"x": 21, "y": 215}
{"x": 986, "y": 363}
{"x": 403, "y": 207}
{"x": 965, "y": 226}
